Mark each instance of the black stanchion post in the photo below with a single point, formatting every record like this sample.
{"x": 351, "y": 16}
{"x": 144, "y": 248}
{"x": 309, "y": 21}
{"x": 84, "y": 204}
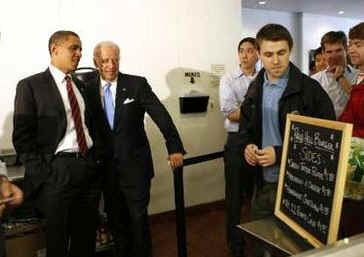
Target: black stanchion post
{"x": 180, "y": 211}
{"x": 180, "y": 200}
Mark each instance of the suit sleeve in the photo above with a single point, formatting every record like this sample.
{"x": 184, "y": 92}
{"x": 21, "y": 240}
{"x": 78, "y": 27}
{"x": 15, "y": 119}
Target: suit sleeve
{"x": 25, "y": 122}
{"x": 161, "y": 117}
{"x": 228, "y": 101}
{"x": 245, "y": 133}
{"x": 25, "y": 138}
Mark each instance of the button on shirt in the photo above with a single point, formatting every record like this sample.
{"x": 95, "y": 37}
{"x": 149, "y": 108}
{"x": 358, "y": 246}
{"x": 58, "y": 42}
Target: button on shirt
{"x": 335, "y": 91}
{"x": 69, "y": 141}
{"x": 272, "y": 93}
{"x": 233, "y": 88}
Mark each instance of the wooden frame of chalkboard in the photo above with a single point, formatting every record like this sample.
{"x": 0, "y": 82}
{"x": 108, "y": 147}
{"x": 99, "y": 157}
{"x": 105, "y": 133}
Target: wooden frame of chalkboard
{"x": 312, "y": 177}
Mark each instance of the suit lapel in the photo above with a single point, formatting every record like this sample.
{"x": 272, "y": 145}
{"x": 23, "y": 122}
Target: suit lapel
{"x": 51, "y": 91}
{"x": 96, "y": 87}
{"x": 121, "y": 95}
{"x": 96, "y": 91}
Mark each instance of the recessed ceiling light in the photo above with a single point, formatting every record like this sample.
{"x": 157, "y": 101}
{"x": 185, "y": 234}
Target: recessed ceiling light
{"x": 262, "y": 2}
{"x": 340, "y": 12}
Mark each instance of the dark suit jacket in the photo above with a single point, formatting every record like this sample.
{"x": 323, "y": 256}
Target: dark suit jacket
{"x": 127, "y": 145}
{"x": 39, "y": 125}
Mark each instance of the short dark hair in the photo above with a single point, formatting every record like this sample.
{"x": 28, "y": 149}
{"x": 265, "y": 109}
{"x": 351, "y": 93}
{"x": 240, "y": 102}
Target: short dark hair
{"x": 59, "y": 36}
{"x": 317, "y": 52}
{"x": 357, "y": 32}
{"x": 251, "y": 40}
{"x": 334, "y": 37}
{"x": 274, "y": 32}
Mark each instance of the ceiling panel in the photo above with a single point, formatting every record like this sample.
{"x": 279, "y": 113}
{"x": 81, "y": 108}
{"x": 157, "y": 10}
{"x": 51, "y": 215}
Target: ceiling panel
{"x": 352, "y": 8}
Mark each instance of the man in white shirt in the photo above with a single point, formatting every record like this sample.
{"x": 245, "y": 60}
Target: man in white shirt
{"x": 52, "y": 136}
{"x": 338, "y": 77}
{"x": 239, "y": 183}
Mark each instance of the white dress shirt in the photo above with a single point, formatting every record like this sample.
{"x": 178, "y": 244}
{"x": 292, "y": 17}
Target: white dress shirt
{"x": 337, "y": 94}
{"x": 233, "y": 87}
{"x": 69, "y": 141}
{"x": 103, "y": 83}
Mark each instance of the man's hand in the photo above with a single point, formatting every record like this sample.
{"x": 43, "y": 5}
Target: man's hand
{"x": 250, "y": 154}
{"x": 235, "y": 115}
{"x": 175, "y": 160}
{"x": 266, "y": 157}
{"x": 10, "y": 195}
{"x": 337, "y": 71}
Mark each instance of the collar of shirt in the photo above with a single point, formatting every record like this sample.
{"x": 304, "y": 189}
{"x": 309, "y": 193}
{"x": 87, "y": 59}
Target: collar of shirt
{"x": 237, "y": 73}
{"x": 104, "y": 82}
{"x": 69, "y": 141}
{"x": 57, "y": 74}
{"x": 325, "y": 78}
{"x": 348, "y": 69}
{"x": 112, "y": 88}
{"x": 281, "y": 82}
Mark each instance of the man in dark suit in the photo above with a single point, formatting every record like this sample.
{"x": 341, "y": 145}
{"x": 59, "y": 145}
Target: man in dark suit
{"x": 52, "y": 136}
{"x": 120, "y": 102}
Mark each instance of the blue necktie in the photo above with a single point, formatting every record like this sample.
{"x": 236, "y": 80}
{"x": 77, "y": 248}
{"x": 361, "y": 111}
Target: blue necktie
{"x": 109, "y": 105}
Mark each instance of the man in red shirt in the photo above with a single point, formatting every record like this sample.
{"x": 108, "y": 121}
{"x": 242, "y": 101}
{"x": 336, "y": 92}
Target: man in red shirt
{"x": 353, "y": 112}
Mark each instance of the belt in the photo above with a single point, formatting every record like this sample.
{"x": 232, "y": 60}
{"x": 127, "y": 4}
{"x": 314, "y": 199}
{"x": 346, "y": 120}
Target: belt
{"x": 74, "y": 155}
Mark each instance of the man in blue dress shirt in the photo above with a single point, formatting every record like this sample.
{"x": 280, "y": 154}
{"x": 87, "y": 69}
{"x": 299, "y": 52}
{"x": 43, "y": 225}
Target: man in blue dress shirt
{"x": 279, "y": 88}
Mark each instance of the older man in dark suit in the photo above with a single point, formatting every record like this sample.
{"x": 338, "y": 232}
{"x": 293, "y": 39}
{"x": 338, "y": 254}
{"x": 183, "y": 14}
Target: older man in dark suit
{"x": 120, "y": 102}
{"x": 52, "y": 136}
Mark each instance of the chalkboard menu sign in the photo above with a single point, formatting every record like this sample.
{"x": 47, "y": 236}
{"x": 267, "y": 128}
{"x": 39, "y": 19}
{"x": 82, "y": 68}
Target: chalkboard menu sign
{"x": 312, "y": 177}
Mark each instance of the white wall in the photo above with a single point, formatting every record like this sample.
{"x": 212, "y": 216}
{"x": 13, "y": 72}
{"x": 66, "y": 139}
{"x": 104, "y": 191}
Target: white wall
{"x": 315, "y": 26}
{"x": 159, "y": 39}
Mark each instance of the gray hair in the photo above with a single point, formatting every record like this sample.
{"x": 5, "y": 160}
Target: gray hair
{"x": 105, "y": 44}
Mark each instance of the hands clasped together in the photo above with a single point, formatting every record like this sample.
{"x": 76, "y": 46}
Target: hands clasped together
{"x": 263, "y": 157}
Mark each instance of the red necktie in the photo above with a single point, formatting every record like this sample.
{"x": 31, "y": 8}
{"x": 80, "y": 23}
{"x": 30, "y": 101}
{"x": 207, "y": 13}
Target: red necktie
{"x": 81, "y": 139}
